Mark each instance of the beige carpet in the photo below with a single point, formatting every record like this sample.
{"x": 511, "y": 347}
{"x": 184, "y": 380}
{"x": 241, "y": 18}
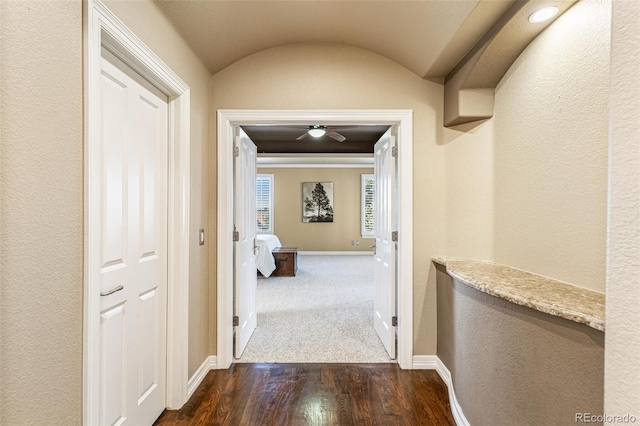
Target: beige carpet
{"x": 324, "y": 314}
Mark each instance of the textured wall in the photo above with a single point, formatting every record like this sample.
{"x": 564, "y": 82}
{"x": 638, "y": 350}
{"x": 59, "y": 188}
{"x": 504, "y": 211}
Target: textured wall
{"x": 511, "y": 365}
{"x": 41, "y": 217}
{"x": 528, "y": 188}
{"x": 622, "y": 356}
{"x": 287, "y": 208}
{"x": 469, "y": 184}
{"x": 327, "y": 76}
{"x": 145, "y": 19}
{"x": 550, "y": 158}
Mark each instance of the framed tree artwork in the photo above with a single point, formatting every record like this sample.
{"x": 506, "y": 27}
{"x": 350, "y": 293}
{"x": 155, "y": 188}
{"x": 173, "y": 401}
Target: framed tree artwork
{"x": 317, "y": 202}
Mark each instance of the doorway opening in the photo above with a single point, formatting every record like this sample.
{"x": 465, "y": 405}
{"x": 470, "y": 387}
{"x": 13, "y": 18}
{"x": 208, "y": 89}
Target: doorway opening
{"x": 319, "y": 304}
{"x": 400, "y": 119}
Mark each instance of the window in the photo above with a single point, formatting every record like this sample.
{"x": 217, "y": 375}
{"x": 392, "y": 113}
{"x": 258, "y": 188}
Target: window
{"x": 264, "y": 204}
{"x": 367, "y": 193}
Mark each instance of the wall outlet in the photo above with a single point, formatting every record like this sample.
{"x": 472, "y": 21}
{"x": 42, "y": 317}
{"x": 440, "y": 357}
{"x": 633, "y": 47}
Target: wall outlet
{"x": 351, "y": 242}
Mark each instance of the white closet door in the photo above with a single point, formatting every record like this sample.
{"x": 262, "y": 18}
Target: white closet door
{"x": 133, "y": 247}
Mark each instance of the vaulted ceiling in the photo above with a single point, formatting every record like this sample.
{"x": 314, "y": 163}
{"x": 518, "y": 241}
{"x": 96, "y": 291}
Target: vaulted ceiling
{"x": 428, "y": 37}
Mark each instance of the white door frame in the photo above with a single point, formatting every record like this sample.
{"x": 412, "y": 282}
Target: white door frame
{"x": 101, "y": 28}
{"x": 226, "y": 120}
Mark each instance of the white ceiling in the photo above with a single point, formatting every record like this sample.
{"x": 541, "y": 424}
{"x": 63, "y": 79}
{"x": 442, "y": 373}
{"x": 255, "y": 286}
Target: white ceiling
{"x": 426, "y": 36}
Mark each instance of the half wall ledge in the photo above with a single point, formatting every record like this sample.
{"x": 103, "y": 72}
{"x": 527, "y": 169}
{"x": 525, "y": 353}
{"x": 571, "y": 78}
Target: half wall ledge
{"x": 524, "y": 288}
{"x": 469, "y": 89}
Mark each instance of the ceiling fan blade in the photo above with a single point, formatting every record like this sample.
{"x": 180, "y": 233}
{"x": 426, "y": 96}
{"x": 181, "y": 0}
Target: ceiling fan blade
{"x": 302, "y": 136}
{"x": 335, "y": 135}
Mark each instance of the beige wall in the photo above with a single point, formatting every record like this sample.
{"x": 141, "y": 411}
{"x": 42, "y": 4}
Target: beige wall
{"x": 513, "y": 365}
{"x": 528, "y": 188}
{"x": 551, "y": 133}
{"x": 41, "y": 189}
{"x": 316, "y": 76}
{"x": 41, "y": 216}
{"x": 334, "y": 236}
{"x": 622, "y": 355}
{"x": 152, "y": 27}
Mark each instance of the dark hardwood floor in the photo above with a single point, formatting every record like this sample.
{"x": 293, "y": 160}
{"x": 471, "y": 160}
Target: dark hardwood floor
{"x": 316, "y": 394}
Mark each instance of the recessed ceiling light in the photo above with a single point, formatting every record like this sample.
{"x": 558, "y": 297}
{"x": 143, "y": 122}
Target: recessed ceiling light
{"x": 317, "y": 131}
{"x": 543, "y": 14}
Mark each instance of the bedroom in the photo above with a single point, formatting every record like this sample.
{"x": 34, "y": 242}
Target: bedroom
{"x": 330, "y": 294}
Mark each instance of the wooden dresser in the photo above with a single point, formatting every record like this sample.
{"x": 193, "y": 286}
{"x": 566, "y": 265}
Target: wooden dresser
{"x": 286, "y": 262}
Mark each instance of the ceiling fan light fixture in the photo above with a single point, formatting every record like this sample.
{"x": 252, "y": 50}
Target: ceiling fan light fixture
{"x": 317, "y": 131}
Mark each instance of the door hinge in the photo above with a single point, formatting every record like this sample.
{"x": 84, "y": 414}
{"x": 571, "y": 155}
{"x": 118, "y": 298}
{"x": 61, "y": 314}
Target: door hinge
{"x": 236, "y": 151}
{"x": 394, "y": 151}
{"x": 394, "y": 321}
{"x": 236, "y": 321}
{"x": 236, "y": 236}
{"x": 394, "y": 236}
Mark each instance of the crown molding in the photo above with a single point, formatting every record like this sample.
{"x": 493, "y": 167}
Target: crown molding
{"x": 335, "y": 161}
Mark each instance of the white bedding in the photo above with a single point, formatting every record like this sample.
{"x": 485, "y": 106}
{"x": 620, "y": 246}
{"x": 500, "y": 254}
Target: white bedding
{"x": 264, "y": 260}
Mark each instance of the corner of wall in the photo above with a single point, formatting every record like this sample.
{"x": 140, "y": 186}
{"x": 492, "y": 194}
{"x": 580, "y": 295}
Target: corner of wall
{"x": 622, "y": 340}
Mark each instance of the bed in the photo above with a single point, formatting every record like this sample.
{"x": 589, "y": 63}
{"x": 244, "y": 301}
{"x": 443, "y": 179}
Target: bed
{"x": 265, "y": 261}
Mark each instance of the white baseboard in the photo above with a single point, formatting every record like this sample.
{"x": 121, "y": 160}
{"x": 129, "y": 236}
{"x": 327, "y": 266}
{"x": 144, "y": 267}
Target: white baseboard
{"x": 335, "y": 253}
{"x": 424, "y": 362}
{"x": 432, "y": 362}
{"x": 210, "y": 363}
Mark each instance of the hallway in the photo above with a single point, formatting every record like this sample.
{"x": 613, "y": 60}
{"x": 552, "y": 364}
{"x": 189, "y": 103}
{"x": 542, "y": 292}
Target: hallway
{"x": 549, "y": 185}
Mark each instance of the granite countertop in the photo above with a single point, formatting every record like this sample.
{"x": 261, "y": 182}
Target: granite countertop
{"x": 537, "y": 292}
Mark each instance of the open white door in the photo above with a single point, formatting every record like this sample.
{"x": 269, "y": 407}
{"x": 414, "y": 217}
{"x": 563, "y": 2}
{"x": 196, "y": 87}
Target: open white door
{"x": 385, "y": 251}
{"x": 246, "y": 279}
{"x": 132, "y": 247}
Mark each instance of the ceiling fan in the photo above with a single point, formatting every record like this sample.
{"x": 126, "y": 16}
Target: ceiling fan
{"x": 318, "y": 130}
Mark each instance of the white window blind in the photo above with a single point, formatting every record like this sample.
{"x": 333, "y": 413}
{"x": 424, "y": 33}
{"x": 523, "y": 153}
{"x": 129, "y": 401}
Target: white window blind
{"x": 264, "y": 203}
{"x": 367, "y": 217}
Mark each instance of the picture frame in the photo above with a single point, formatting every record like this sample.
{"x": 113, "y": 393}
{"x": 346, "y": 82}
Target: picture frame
{"x": 317, "y": 202}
